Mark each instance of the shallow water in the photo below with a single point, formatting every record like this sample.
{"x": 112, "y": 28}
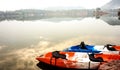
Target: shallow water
{"x": 22, "y": 41}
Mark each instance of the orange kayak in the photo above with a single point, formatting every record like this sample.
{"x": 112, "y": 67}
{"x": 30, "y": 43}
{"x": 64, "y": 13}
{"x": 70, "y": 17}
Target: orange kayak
{"x": 77, "y": 60}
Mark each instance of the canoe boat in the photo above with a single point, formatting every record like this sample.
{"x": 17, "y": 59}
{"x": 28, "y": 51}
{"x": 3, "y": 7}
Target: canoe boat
{"x": 92, "y": 48}
{"x": 76, "y": 60}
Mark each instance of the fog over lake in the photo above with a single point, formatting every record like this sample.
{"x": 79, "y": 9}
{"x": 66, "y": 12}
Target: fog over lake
{"x": 30, "y": 28}
{"x": 22, "y": 41}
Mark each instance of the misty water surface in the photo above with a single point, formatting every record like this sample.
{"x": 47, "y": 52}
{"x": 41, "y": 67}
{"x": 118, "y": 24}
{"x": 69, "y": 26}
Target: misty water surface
{"x": 22, "y": 41}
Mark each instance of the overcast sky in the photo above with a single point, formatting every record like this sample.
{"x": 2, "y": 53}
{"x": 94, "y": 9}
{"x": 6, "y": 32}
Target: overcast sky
{"x": 41, "y": 4}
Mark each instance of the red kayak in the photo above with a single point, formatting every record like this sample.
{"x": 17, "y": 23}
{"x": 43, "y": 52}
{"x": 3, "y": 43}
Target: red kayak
{"x": 77, "y": 60}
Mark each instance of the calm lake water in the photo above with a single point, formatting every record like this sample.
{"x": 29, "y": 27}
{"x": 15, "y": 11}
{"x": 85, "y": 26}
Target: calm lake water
{"x": 22, "y": 41}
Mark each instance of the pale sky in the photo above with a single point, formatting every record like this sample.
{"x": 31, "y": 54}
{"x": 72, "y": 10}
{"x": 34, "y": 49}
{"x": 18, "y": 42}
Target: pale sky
{"x": 41, "y": 4}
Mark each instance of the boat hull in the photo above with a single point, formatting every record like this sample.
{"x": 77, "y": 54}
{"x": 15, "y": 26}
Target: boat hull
{"x": 77, "y": 60}
{"x": 74, "y": 60}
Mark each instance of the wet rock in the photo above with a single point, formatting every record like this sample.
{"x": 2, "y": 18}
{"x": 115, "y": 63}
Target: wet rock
{"x": 111, "y": 65}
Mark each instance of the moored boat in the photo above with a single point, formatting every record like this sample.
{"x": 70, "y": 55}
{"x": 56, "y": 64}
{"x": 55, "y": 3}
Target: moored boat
{"x": 77, "y": 60}
{"x": 92, "y": 48}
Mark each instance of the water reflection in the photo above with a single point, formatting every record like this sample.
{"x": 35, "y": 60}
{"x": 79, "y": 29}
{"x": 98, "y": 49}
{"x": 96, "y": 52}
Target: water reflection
{"x": 111, "y": 20}
{"x": 119, "y": 14}
{"x": 22, "y": 41}
{"x": 108, "y": 15}
{"x": 44, "y": 66}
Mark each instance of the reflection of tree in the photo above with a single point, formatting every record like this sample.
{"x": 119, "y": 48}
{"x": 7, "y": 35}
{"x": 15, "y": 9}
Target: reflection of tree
{"x": 97, "y": 13}
{"x": 108, "y": 15}
{"x": 119, "y": 14}
{"x": 111, "y": 20}
{"x": 2, "y": 16}
{"x": 119, "y": 18}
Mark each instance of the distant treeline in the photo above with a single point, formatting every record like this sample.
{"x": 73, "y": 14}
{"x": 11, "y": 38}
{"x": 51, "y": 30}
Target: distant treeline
{"x": 32, "y": 14}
